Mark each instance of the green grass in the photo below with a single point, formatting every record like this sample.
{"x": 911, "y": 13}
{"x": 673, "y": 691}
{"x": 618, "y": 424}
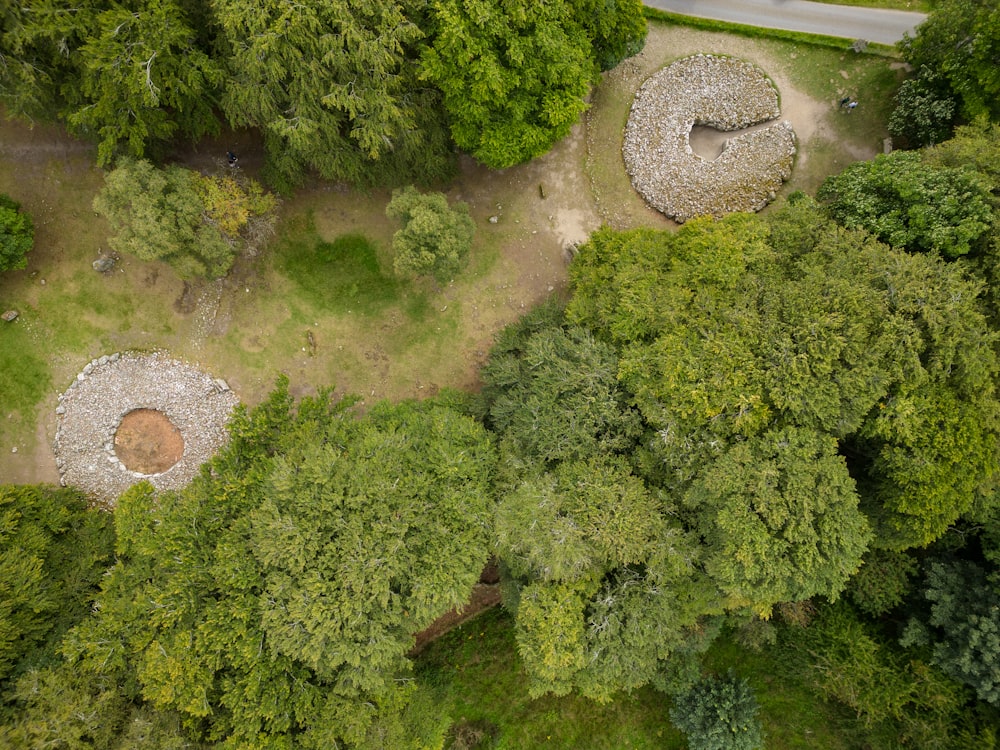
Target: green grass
{"x": 476, "y": 676}
{"x": 24, "y": 374}
{"x": 917, "y": 6}
{"x": 759, "y": 32}
{"x": 792, "y": 716}
{"x": 338, "y": 276}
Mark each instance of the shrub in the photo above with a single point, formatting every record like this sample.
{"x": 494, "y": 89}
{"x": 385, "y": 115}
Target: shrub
{"x": 17, "y": 235}
{"x": 435, "y": 239}
{"x": 719, "y": 714}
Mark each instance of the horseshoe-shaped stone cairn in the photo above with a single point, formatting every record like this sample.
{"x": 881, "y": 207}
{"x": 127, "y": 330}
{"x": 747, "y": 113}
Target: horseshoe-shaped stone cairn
{"x": 724, "y": 93}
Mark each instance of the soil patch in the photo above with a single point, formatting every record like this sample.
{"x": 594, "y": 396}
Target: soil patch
{"x": 147, "y": 442}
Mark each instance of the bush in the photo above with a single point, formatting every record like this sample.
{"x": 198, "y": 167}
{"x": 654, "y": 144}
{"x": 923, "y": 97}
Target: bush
{"x": 17, "y": 235}
{"x": 196, "y": 224}
{"x": 719, "y": 714}
{"x": 434, "y": 240}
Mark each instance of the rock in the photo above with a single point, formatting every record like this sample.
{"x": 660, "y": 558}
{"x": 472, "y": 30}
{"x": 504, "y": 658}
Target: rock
{"x": 494, "y": 219}
{"x": 103, "y": 360}
{"x": 60, "y": 409}
{"x": 221, "y": 384}
{"x": 10, "y": 316}
{"x": 104, "y": 264}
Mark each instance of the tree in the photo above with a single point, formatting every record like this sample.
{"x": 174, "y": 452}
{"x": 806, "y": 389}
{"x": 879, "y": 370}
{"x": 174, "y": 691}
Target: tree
{"x": 960, "y": 41}
{"x": 435, "y": 239}
{"x": 17, "y": 235}
{"x": 273, "y": 601}
{"x": 730, "y": 330}
{"x": 194, "y": 223}
{"x": 602, "y": 582}
{"x": 143, "y": 81}
{"x": 882, "y": 582}
{"x": 53, "y": 552}
{"x": 912, "y": 205}
{"x": 617, "y": 29}
{"x": 963, "y": 626}
{"x": 779, "y": 515}
{"x": 899, "y": 698}
{"x": 333, "y": 87}
{"x": 719, "y": 714}
{"x": 553, "y": 393}
{"x": 514, "y": 75}
{"x": 925, "y": 110}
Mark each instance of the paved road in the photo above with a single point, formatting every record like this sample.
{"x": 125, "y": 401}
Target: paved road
{"x": 872, "y": 24}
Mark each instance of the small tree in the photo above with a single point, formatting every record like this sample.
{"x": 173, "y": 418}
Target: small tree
{"x": 17, "y": 235}
{"x": 196, "y": 224}
{"x": 435, "y": 239}
{"x": 719, "y": 714}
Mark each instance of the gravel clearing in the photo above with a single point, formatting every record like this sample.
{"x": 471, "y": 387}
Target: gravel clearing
{"x": 721, "y": 92}
{"x": 92, "y": 408}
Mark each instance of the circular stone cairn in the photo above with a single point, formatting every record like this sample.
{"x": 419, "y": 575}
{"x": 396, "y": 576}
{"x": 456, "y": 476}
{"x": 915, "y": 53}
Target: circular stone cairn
{"x": 726, "y": 94}
{"x": 134, "y": 416}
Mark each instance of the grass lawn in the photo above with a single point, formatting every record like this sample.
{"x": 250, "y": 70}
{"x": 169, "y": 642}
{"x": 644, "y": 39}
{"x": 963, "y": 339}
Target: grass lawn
{"x": 917, "y": 6}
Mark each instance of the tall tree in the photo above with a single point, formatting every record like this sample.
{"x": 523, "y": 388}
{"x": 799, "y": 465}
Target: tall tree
{"x": 514, "y": 75}
{"x": 553, "y": 394}
{"x": 780, "y": 519}
{"x": 273, "y": 601}
{"x": 960, "y": 40}
{"x": 333, "y": 88}
{"x": 735, "y": 328}
{"x": 616, "y": 28}
{"x": 606, "y": 584}
{"x": 53, "y": 553}
{"x": 144, "y": 81}
{"x": 912, "y": 205}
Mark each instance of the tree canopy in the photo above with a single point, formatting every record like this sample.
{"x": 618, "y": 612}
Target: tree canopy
{"x": 195, "y": 223}
{"x": 514, "y": 75}
{"x": 731, "y": 329}
{"x": 435, "y": 239}
{"x": 273, "y": 601}
{"x": 960, "y": 41}
{"x": 910, "y": 204}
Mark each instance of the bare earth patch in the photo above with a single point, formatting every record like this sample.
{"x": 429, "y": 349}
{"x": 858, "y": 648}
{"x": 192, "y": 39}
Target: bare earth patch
{"x": 147, "y": 442}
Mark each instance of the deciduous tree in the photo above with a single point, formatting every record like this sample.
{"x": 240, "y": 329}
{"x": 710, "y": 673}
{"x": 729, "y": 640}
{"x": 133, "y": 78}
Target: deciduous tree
{"x": 196, "y": 224}
{"x": 273, "y": 601}
{"x": 514, "y": 75}
{"x": 909, "y": 204}
{"x": 960, "y": 41}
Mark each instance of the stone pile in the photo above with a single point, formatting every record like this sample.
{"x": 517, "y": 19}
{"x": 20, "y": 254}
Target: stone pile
{"x": 107, "y": 389}
{"x": 724, "y": 93}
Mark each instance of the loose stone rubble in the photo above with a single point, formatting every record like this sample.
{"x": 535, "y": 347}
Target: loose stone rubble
{"x": 91, "y": 409}
{"x": 727, "y": 94}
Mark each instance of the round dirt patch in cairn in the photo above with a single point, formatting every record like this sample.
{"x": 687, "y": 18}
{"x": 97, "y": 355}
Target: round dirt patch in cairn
{"x": 723, "y": 93}
{"x": 147, "y": 442}
{"x": 134, "y": 416}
